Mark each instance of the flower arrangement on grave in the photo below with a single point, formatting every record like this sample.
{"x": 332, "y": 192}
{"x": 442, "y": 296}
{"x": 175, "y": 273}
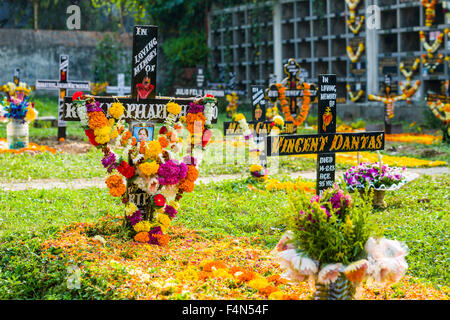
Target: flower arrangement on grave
{"x": 433, "y": 47}
{"x": 232, "y": 104}
{"x": 257, "y": 171}
{"x": 352, "y": 96}
{"x": 20, "y": 111}
{"x": 430, "y": 11}
{"x": 271, "y": 112}
{"x": 286, "y": 109}
{"x": 150, "y": 166}
{"x": 442, "y": 112}
{"x": 333, "y": 243}
{"x": 354, "y": 57}
{"x": 408, "y": 90}
{"x": 388, "y": 101}
{"x": 409, "y": 73}
{"x": 377, "y": 176}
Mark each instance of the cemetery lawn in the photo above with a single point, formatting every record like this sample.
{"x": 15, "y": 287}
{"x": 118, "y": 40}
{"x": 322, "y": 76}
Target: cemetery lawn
{"x": 222, "y": 221}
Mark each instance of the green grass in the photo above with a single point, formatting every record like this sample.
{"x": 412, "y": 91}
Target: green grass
{"x": 47, "y": 166}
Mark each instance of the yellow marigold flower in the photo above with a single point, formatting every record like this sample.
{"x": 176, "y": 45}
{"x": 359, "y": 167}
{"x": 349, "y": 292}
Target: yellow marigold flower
{"x": 239, "y": 117}
{"x": 102, "y": 139}
{"x": 130, "y": 208}
{"x": 143, "y": 226}
{"x": 114, "y": 134}
{"x": 149, "y": 168}
{"x": 111, "y": 122}
{"x": 222, "y": 273}
{"x": 164, "y": 220}
{"x": 277, "y": 295}
{"x": 189, "y": 274}
{"x": 174, "y": 204}
{"x": 255, "y": 167}
{"x": 153, "y": 150}
{"x": 183, "y": 119}
{"x": 116, "y": 110}
{"x": 278, "y": 120}
{"x": 258, "y": 283}
{"x": 104, "y": 131}
{"x": 173, "y": 108}
{"x": 30, "y": 115}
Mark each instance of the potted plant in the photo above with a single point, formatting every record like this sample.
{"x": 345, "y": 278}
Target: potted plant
{"x": 376, "y": 176}
{"x": 333, "y": 243}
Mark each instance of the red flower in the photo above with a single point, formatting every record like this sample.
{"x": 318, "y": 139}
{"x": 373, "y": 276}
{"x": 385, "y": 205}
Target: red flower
{"x": 126, "y": 170}
{"x": 90, "y": 134}
{"x": 163, "y": 130}
{"x": 272, "y": 124}
{"x": 77, "y": 95}
{"x": 159, "y": 199}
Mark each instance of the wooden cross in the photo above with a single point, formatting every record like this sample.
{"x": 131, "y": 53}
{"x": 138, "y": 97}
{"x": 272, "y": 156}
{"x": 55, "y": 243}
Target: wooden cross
{"x": 121, "y": 89}
{"x": 143, "y": 105}
{"x": 63, "y": 84}
{"x": 327, "y": 142}
{"x": 290, "y": 83}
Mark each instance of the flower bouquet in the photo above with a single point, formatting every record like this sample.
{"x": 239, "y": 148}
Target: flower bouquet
{"x": 377, "y": 177}
{"x": 149, "y": 169}
{"x": 333, "y": 243}
{"x": 20, "y": 113}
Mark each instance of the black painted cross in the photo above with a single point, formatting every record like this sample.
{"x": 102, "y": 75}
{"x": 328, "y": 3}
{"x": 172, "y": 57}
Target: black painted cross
{"x": 63, "y": 84}
{"x": 143, "y": 105}
{"x": 121, "y": 89}
{"x": 291, "y": 83}
{"x": 327, "y": 142}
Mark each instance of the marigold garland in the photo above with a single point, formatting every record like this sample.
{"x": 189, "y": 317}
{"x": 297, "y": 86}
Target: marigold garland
{"x": 306, "y": 103}
{"x": 430, "y": 11}
{"x": 354, "y": 57}
{"x": 431, "y": 48}
{"x": 352, "y": 96}
{"x": 429, "y": 66}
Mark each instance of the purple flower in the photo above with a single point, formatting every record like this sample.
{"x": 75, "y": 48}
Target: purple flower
{"x": 195, "y": 108}
{"x": 152, "y": 233}
{"x": 171, "y": 172}
{"x": 94, "y": 107}
{"x": 171, "y": 211}
{"x": 109, "y": 159}
{"x": 135, "y": 217}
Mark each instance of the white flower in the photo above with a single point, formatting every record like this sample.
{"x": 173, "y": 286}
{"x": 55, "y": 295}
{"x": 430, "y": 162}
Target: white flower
{"x": 329, "y": 273}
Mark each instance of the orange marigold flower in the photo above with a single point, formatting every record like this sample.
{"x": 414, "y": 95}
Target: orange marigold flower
{"x": 142, "y": 237}
{"x": 202, "y": 275}
{"x": 216, "y": 264}
{"x": 195, "y": 119}
{"x": 163, "y": 239}
{"x": 192, "y": 173}
{"x": 163, "y": 141}
{"x": 133, "y": 141}
{"x": 268, "y": 290}
{"x": 290, "y": 297}
{"x": 277, "y": 279}
{"x": 118, "y": 191}
{"x": 97, "y": 120}
{"x": 246, "y": 276}
{"x": 186, "y": 185}
{"x": 142, "y": 147}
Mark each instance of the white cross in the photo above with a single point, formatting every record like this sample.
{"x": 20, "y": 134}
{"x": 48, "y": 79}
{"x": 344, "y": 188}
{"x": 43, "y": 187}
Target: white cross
{"x": 121, "y": 89}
